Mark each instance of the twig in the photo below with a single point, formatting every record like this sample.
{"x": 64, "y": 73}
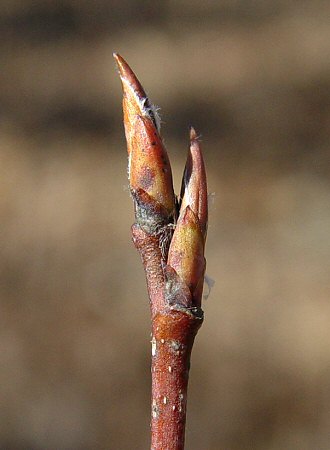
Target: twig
{"x": 170, "y": 235}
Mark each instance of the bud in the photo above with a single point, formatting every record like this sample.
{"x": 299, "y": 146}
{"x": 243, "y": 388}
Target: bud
{"x": 194, "y": 186}
{"x": 149, "y": 169}
{"x": 186, "y": 253}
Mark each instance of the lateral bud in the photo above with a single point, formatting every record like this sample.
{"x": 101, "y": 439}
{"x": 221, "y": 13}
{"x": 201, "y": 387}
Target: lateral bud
{"x": 194, "y": 185}
{"x": 186, "y": 254}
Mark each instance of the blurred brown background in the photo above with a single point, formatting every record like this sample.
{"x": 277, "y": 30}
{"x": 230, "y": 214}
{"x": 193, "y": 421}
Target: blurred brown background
{"x": 253, "y": 77}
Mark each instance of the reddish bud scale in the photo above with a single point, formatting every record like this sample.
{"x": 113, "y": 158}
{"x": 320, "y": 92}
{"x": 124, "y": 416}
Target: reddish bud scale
{"x": 149, "y": 166}
{"x": 186, "y": 253}
{"x": 194, "y": 185}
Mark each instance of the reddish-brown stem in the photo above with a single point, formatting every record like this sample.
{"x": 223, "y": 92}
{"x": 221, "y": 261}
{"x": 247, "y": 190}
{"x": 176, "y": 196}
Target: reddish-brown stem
{"x": 173, "y": 333}
{"x": 174, "y": 328}
{"x": 151, "y": 255}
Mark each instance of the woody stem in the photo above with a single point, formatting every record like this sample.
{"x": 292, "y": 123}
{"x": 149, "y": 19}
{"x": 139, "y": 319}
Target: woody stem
{"x": 174, "y": 328}
{"x": 173, "y": 333}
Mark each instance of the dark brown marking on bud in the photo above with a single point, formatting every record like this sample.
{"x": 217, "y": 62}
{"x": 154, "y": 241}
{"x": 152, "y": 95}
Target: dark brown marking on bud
{"x": 146, "y": 177}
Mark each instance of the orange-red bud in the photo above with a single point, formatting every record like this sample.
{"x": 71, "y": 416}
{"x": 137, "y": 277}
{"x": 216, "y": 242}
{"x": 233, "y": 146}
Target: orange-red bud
{"x": 148, "y": 167}
{"x": 194, "y": 186}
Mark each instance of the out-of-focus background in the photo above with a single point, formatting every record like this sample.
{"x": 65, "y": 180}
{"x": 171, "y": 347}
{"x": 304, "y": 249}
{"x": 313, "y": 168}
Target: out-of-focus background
{"x": 253, "y": 77}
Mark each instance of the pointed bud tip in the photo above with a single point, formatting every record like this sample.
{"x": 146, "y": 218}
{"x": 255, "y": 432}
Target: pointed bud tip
{"x": 193, "y": 134}
{"x": 122, "y": 64}
{"x": 194, "y": 186}
{"x": 127, "y": 75}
